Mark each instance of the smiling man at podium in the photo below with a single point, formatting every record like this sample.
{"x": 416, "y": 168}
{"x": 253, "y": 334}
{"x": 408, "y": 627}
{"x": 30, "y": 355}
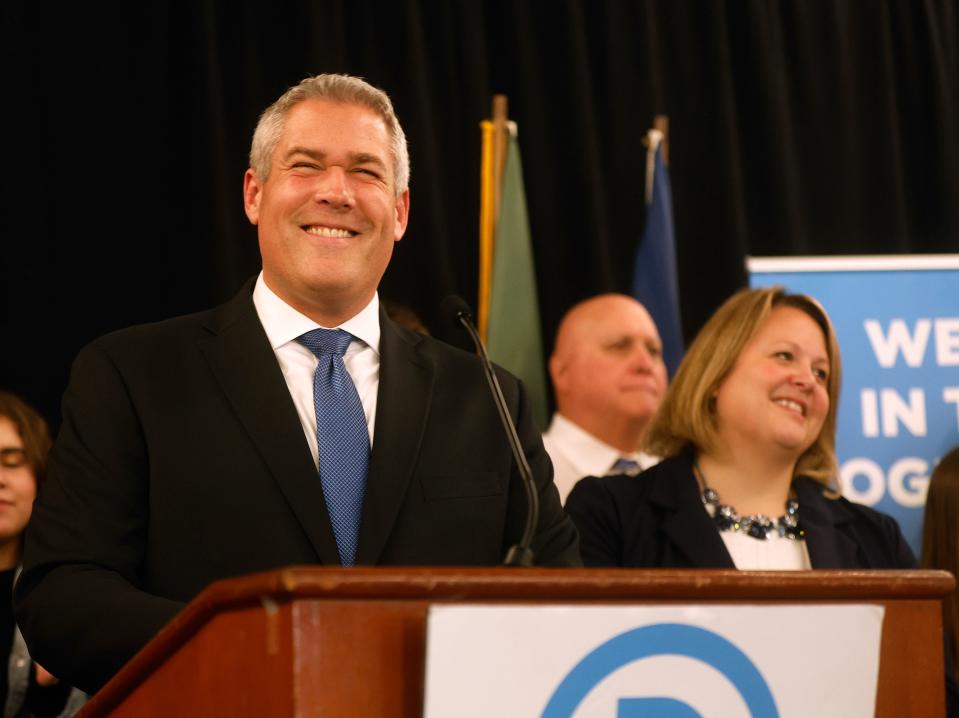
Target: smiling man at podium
{"x": 295, "y": 424}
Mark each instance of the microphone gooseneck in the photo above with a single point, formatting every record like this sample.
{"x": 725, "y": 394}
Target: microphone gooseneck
{"x": 457, "y": 311}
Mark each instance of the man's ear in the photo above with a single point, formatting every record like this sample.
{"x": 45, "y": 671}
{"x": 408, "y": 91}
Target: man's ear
{"x": 252, "y": 191}
{"x": 557, "y": 373}
{"x": 402, "y": 215}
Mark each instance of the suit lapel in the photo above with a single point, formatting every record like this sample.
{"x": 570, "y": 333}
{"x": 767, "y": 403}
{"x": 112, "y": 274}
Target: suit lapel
{"x": 245, "y": 366}
{"x": 687, "y": 525}
{"x": 402, "y": 408}
{"x": 828, "y": 546}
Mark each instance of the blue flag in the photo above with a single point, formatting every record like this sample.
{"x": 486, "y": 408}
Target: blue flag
{"x": 655, "y": 282}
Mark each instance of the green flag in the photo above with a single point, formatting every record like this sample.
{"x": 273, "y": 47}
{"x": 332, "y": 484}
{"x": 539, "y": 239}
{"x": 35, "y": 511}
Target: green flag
{"x": 513, "y": 337}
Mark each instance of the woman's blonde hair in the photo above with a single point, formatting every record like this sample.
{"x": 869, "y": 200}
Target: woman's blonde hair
{"x": 687, "y": 416}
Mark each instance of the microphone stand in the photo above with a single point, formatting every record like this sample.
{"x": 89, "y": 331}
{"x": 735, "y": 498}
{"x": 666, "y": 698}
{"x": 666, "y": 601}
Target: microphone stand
{"x": 520, "y": 554}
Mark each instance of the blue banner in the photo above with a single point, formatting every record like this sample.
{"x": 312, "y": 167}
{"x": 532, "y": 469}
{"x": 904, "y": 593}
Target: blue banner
{"x": 897, "y": 319}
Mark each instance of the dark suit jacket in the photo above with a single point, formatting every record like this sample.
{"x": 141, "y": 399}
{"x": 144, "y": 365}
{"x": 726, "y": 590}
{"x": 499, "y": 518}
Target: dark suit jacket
{"x": 181, "y": 460}
{"x": 657, "y": 520}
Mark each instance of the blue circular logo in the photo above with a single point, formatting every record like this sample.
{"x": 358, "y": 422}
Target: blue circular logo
{"x": 662, "y": 639}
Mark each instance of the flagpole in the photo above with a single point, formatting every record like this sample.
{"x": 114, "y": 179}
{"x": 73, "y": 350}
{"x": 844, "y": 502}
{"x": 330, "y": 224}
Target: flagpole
{"x": 661, "y": 123}
{"x": 655, "y": 138}
{"x": 493, "y": 159}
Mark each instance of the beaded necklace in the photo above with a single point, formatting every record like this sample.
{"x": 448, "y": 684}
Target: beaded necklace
{"x": 759, "y": 526}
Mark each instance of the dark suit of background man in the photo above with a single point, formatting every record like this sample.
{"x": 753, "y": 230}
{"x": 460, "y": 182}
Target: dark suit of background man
{"x": 188, "y": 451}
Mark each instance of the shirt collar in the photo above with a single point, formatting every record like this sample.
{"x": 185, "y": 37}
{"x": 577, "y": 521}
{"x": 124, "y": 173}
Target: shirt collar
{"x": 283, "y": 324}
{"x": 589, "y": 455}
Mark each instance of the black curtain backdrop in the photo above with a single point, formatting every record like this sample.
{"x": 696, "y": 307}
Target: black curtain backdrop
{"x": 804, "y": 127}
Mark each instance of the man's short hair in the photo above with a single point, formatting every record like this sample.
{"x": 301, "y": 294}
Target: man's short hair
{"x": 344, "y": 89}
{"x": 687, "y": 416}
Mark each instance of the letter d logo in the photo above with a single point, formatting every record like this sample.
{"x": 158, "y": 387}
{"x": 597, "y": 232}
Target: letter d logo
{"x": 661, "y": 640}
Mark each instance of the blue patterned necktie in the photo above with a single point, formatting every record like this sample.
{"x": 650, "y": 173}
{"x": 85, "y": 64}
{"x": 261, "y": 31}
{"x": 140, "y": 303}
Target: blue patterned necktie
{"x": 341, "y": 436}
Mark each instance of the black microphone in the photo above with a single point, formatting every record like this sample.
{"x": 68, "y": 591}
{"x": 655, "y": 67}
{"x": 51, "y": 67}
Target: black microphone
{"x": 457, "y": 312}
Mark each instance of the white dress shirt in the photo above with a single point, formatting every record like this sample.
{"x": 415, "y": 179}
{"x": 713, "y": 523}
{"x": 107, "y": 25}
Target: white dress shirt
{"x": 283, "y": 324}
{"x": 576, "y": 453}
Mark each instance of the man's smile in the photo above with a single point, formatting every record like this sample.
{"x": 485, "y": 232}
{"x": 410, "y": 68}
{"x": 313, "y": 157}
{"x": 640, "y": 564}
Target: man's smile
{"x": 320, "y": 230}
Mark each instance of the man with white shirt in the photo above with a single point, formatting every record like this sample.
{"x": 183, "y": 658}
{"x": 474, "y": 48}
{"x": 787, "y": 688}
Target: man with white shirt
{"x": 295, "y": 424}
{"x": 609, "y": 378}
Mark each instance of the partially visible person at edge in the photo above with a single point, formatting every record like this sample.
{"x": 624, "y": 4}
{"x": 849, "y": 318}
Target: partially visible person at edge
{"x": 749, "y": 476}
{"x": 940, "y": 550}
{"x": 295, "y": 424}
{"x": 26, "y": 689}
{"x": 609, "y": 377}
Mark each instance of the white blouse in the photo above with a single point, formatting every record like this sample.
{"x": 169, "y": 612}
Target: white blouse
{"x": 776, "y": 553}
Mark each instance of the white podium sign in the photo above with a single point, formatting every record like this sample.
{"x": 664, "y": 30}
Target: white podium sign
{"x": 683, "y": 661}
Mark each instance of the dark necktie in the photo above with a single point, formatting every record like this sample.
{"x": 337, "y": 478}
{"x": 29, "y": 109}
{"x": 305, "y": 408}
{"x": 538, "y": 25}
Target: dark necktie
{"x": 624, "y": 466}
{"x": 341, "y": 436}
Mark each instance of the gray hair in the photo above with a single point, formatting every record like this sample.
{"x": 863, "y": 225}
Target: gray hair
{"x": 333, "y": 88}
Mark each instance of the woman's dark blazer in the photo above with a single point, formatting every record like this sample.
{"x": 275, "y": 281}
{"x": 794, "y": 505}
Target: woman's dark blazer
{"x": 657, "y": 520}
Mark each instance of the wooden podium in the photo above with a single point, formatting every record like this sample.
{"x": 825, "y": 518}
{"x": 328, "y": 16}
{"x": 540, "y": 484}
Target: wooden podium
{"x": 351, "y": 642}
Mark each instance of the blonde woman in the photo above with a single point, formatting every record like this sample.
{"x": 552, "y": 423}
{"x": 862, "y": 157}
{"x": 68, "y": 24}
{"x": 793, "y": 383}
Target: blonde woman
{"x": 749, "y": 476}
